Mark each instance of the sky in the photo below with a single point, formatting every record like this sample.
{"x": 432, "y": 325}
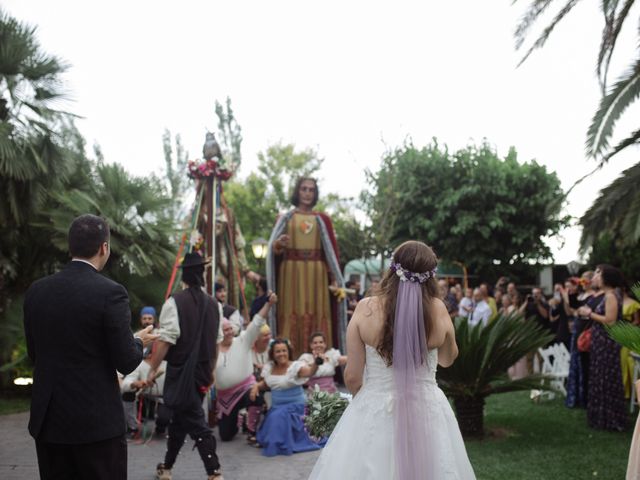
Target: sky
{"x": 349, "y": 79}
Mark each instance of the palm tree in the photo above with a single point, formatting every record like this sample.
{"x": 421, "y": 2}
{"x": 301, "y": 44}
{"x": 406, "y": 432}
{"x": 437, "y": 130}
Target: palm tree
{"x": 31, "y": 160}
{"x": 486, "y": 353}
{"x": 137, "y": 210}
{"x": 615, "y": 99}
{"x": 616, "y": 212}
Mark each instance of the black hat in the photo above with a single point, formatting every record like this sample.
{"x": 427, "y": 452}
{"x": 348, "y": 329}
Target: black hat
{"x": 193, "y": 260}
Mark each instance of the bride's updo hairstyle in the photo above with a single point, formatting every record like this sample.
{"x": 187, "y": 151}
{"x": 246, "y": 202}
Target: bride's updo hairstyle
{"x": 415, "y": 257}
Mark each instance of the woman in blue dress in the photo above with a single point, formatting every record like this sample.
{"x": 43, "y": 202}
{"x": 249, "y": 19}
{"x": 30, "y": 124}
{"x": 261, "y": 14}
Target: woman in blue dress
{"x": 283, "y": 431}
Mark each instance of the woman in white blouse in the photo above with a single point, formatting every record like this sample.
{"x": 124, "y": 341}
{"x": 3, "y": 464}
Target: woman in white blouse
{"x": 332, "y": 358}
{"x": 283, "y": 432}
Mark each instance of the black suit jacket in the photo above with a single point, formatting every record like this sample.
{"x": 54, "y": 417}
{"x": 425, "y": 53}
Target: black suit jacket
{"x": 77, "y": 326}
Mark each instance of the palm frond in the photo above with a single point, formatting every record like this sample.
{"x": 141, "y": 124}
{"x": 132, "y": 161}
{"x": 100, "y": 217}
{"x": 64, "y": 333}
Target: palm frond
{"x": 632, "y": 139}
{"x": 544, "y": 36}
{"x": 626, "y": 334}
{"x": 533, "y": 13}
{"x": 613, "y": 26}
{"x": 616, "y": 211}
{"x": 486, "y": 353}
{"x": 612, "y": 106}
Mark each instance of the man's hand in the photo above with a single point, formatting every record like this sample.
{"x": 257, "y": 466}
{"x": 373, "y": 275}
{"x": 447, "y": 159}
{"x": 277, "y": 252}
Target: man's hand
{"x": 253, "y": 393}
{"x": 139, "y": 384}
{"x": 273, "y": 298}
{"x": 146, "y": 336}
{"x": 253, "y": 276}
{"x": 283, "y": 241}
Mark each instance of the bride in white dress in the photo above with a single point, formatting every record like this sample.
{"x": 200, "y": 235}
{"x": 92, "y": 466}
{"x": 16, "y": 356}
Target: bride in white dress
{"x": 399, "y": 425}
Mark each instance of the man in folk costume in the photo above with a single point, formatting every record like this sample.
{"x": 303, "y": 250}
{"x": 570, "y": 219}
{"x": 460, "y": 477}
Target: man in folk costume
{"x": 301, "y": 266}
{"x": 189, "y": 334}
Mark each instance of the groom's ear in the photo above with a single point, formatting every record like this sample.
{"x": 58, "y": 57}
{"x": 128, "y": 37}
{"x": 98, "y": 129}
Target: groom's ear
{"x": 105, "y": 251}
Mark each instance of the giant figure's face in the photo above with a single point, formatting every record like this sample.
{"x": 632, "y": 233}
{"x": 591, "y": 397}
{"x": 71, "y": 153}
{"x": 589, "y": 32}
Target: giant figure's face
{"x": 307, "y": 193}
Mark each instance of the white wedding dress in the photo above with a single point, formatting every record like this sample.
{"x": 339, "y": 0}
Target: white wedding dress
{"x": 361, "y": 446}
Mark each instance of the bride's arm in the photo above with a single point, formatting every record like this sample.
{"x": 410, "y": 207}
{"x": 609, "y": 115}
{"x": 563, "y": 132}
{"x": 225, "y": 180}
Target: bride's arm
{"x": 448, "y": 352}
{"x": 355, "y": 346}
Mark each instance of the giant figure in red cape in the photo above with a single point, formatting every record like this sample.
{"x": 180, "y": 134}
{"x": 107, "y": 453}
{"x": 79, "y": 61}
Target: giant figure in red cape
{"x": 301, "y": 266}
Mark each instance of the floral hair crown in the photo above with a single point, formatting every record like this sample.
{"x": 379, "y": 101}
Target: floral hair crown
{"x": 407, "y": 276}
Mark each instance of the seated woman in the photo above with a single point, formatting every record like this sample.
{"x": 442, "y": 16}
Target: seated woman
{"x": 331, "y": 359}
{"x": 283, "y": 432}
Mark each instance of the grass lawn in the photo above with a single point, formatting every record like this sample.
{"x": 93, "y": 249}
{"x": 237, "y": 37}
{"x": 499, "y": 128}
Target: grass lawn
{"x": 14, "y": 404}
{"x": 545, "y": 441}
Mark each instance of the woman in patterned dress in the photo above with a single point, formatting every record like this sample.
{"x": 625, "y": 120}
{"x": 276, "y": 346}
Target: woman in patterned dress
{"x": 606, "y": 409}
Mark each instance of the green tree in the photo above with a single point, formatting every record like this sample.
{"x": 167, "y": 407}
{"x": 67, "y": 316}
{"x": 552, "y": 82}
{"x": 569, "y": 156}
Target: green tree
{"x": 352, "y": 238}
{"x": 229, "y": 132}
{"x": 136, "y": 210}
{"x": 31, "y": 160}
{"x": 616, "y": 99}
{"x": 615, "y": 214}
{"x": 280, "y": 166}
{"x": 258, "y": 199}
{"x": 607, "y": 249}
{"x": 471, "y": 206}
{"x": 175, "y": 161}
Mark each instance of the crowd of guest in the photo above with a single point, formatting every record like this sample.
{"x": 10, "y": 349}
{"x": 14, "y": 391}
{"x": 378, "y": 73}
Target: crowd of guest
{"x": 576, "y": 314}
{"x": 260, "y": 387}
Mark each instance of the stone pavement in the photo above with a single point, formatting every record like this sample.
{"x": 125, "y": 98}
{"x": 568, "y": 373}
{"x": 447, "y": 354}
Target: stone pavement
{"x": 239, "y": 461}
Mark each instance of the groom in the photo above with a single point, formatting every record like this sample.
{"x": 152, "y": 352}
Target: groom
{"x": 77, "y": 327}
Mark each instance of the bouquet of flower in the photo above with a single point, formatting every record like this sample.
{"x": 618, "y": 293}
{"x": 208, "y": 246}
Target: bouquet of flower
{"x": 223, "y": 168}
{"x": 625, "y": 333}
{"x": 325, "y": 409}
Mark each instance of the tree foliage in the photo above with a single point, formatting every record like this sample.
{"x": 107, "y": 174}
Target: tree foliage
{"x": 229, "y": 132}
{"x": 626, "y": 256}
{"x": 471, "y": 205}
{"x": 175, "y": 161}
{"x": 264, "y": 194}
{"x": 615, "y": 213}
{"x": 280, "y": 165}
{"x": 615, "y": 99}
{"x": 31, "y": 160}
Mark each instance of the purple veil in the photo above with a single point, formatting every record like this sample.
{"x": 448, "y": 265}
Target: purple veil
{"x": 413, "y": 454}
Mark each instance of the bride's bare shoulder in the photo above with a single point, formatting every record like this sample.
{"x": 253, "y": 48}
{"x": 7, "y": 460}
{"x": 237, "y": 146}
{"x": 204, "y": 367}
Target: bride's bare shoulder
{"x": 367, "y": 307}
{"x": 368, "y": 304}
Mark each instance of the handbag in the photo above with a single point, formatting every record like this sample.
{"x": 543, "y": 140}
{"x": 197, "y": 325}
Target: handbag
{"x": 584, "y": 341}
{"x": 179, "y": 385}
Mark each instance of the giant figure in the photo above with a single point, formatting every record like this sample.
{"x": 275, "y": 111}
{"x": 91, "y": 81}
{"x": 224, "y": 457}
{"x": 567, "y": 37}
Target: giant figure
{"x": 301, "y": 266}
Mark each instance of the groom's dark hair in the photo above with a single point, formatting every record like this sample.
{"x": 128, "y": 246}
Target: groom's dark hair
{"x": 86, "y": 234}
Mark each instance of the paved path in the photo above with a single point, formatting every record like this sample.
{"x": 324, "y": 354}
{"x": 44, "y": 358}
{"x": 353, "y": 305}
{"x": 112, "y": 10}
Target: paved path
{"x": 239, "y": 461}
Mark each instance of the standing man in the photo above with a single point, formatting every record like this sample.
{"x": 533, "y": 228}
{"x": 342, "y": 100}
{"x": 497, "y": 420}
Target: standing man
{"x": 189, "y": 327}
{"x": 481, "y": 312}
{"x": 77, "y": 327}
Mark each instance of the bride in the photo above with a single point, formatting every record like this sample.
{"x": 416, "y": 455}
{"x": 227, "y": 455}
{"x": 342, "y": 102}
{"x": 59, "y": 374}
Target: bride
{"x": 399, "y": 424}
